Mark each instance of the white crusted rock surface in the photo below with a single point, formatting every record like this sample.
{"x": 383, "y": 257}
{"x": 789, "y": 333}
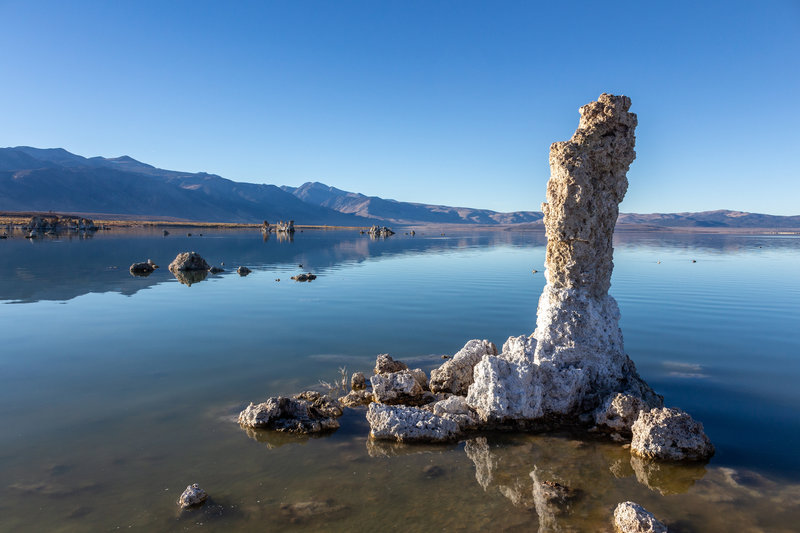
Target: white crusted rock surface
{"x": 630, "y": 517}
{"x": 192, "y": 496}
{"x": 455, "y": 375}
{"x": 575, "y": 358}
{"x": 409, "y": 424}
{"x": 619, "y": 412}
{"x": 670, "y": 434}
{"x": 403, "y": 387}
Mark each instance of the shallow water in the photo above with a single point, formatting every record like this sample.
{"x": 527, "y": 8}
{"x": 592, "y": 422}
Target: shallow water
{"x": 116, "y": 391}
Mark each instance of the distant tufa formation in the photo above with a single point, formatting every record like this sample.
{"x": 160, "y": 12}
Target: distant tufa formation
{"x": 573, "y": 369}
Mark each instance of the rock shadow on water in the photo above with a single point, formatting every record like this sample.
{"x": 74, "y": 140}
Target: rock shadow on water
{"x": 275, "y": 439}
{"x": 190, "y": 277}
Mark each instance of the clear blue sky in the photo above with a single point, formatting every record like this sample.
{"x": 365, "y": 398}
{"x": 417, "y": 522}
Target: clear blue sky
{"x": 438, "y": 102}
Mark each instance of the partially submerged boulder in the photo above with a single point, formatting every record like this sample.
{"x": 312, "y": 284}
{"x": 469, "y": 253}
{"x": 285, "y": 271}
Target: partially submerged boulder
{"x": 243, "y": 271}
{"x": 307, "y": 412}
{"x": 670, "y": 434}
{"x": 455, "y": 375}
{"x": 192, "y": 496}
{"x": 409, "y": 424}
{"x": 188, "y": 261}
{"x": 630, "y": 517}
{"x": 305, "y": 277}
{"x": 145, "y": 268}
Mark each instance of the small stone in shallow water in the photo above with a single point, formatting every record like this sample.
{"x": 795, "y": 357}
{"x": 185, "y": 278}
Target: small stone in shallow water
{"x": 670, "y": 434}
{"x": 243, "y": 270}
{"x": 630, "y": 517}
{"x": 192, "y": 496}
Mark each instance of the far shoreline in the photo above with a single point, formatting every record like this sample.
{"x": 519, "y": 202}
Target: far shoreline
{"x": 110, "y": 221}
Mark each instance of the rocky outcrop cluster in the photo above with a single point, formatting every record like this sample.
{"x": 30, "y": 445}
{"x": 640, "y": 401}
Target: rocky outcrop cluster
{"x": 378, "y": 231}
{"x": 58, "y": 223}
{"x": 307, "y": 412}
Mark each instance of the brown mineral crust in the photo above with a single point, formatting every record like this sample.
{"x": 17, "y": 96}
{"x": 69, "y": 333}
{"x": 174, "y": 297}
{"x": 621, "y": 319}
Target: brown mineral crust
{"x": 587, "y": 184}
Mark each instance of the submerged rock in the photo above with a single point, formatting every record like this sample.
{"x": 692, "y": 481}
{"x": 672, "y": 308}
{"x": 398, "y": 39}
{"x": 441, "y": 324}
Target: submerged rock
{"x": 188, "y": 261}
{"x": 630, "y": 517}
{"x": 455, "y": 375}
{"x": 192, "y": 496}
{"x": 670, "y": 434}
{"x": 307, "y": 412}
{"x": 409, "y": 424}
{"x": 144, "y": 268}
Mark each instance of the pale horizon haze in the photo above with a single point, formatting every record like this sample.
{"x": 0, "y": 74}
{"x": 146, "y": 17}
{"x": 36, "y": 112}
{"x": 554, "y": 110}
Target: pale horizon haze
{"x": 452, "y": 103}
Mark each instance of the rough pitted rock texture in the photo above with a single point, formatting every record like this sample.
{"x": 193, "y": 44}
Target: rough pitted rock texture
{"x": 409, "y": 424}
{"x": 670, "y": 434}
{"x": 455, "y": 408}
{"x": 455, "y": 375}
{"x": 630, "y": 517}
{"x": 403, "y": 387}
{"x": 575, "y": 358}
{"x": 384, "y": 364}
{"x": 620, "y": 411}
{"x": 192, "y": 496}
{"x": 188, "y": 261}
{"x": 307, "y": 412}
{"x": 355, "y": 398}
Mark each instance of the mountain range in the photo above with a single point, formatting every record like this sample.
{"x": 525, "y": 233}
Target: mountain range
{"x": 53, "y": 179}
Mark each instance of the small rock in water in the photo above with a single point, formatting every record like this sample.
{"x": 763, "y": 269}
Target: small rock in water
{"x": 166, "y": 233}
{"x": 192, "y": 496}
{"x": 188, "y": 234}
{"x": 670, "y": 434}
{"x": 630, "y": 517}
{"x": 243, "y": 270}
{"x": 304, "y": 277}
{"x": 188, "y": 261}
{"x": 143, "y": 268}
{"x": 216, "y": 270}
{"x": 534, "y": 271}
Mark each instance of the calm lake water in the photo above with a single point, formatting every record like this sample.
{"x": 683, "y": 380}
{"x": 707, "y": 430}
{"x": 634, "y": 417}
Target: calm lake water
{"x": 116, "y": 391}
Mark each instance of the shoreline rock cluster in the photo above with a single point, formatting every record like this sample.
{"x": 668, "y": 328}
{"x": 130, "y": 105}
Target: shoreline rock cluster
{"x": 573, "y": 370}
